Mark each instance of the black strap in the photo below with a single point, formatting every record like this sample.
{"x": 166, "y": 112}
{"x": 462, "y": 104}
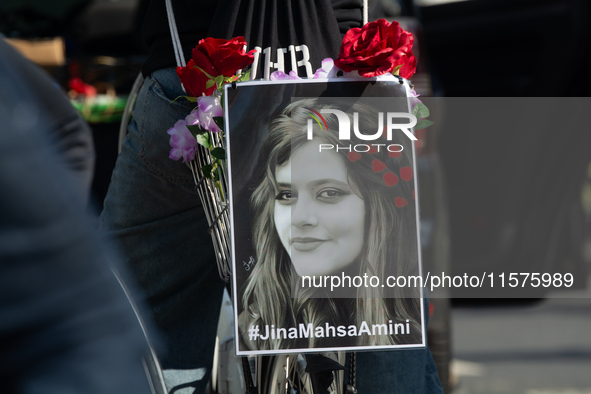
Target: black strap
{"x": 351, "y": 389}
{"x": 250, "y": 387}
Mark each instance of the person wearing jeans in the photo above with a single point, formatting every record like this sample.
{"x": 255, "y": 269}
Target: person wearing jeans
{"x": 152, "y": 206}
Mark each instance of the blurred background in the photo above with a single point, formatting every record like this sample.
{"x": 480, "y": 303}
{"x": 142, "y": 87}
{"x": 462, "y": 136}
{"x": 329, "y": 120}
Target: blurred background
{"x": 492, "y": 199}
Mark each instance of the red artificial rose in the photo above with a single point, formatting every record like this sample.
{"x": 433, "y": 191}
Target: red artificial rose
{"x": 217, "y": 56}
{"x": 78, "y": 86}
{"x": 194, "y": 80}
{"x": 378, "y": 48}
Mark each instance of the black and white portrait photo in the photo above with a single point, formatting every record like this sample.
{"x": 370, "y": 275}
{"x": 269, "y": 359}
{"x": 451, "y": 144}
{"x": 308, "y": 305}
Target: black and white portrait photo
{"x": 324, "y": 216}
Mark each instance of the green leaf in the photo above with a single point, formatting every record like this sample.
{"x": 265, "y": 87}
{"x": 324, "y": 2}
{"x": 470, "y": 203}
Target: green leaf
{"x": 206, "y": 170}
{"x": 216, "y": 175}
{"x": 203, "y": 71}
{"x": 203, "y": 139}
{"x": 423, "y": 124}
{"x": 219, "y": 120}
{"x": 244, "y": 77}
{"x": 189, "y": 98}
{"x": 210, "y": 83}
{"x": 420, "y": 111}
{"x": 219, "y": 153}
{"x": 195, "y": 129}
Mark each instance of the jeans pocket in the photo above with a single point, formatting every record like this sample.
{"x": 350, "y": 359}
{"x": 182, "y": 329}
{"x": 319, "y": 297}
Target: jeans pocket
{"x": 154, "y": 116}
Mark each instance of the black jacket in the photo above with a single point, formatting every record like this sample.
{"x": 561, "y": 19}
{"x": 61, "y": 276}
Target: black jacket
{"x": 293, "y": 30}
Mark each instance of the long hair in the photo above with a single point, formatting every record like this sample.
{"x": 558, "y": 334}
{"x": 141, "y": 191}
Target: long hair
{"x": 381, "y": 180}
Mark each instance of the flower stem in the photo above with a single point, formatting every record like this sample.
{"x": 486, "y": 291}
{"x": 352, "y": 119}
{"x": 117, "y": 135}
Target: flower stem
{"x": 219, "y": 186}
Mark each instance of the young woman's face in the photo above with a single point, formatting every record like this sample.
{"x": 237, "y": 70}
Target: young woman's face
{"x": 318, "y": 216}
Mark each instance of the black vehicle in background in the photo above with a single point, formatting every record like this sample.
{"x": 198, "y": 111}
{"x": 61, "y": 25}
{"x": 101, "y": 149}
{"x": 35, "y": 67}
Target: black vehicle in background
{"x": 512, "y": 197}
{"x": 515, "y": 199}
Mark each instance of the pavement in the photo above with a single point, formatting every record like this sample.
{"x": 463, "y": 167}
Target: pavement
{"x": 544, "y": 348}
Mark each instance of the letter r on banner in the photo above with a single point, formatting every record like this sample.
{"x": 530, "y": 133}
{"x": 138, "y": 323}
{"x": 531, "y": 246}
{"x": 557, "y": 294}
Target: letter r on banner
{"x": 404, "y": 126}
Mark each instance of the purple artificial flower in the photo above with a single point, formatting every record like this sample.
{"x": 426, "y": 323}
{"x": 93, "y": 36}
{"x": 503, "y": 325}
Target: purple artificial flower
{"x": 182, "y": 142}
{"x": 208, "y": 108}
{"x": 193, "y": 118}
{"x": 413, "y": 98}
{"x": 328, "y": 69}
{"x": 281, "y": 76}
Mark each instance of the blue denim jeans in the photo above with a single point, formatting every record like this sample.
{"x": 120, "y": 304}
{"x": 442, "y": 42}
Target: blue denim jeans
{"x": 154, "y": 211}
{"x": 402, "y": 371}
